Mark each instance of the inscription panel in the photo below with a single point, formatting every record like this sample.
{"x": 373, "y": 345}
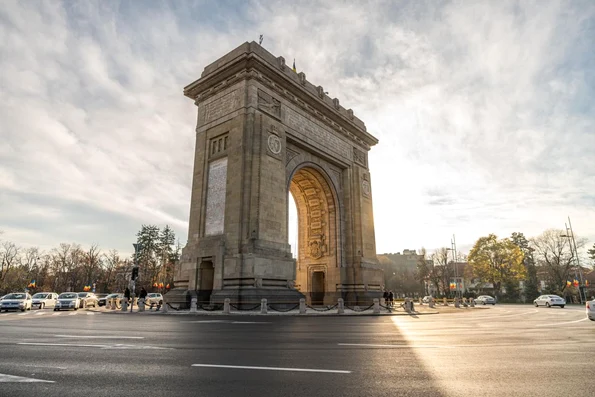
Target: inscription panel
{"x": 221, "y": 106}
{"x": 318, "y": 134}
{"x": 216, "y": 187}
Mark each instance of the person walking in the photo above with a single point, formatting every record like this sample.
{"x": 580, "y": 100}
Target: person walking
{"x": 385, "y": 296}
{"x": 127, "y": 295}
{"x": 391, "y": 297}
{"x": 142, "y": 297}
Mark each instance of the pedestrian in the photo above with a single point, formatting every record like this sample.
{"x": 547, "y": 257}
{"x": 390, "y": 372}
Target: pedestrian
{"x": 127, "y": 295}
{"x": 391, "y": 298}
{"x": 142, "y": 297}
{"x": 385, "y": 296}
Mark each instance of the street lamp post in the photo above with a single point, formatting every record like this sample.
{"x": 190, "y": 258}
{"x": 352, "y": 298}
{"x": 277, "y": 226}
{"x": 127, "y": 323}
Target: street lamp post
{"x": 453, "y": 248}
{"x": 574, "y": 253}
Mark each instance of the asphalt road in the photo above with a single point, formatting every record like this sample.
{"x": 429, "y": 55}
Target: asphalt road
{"x": 510, "y": 350}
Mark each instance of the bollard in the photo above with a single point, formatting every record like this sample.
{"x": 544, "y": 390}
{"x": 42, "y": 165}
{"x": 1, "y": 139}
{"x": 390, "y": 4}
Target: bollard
{"x": 340, "y": 306}
{"x": 226, "y": 307}
{"x": 431, "y": 303}
{"x": 263, "y": 306}
{"x": 141, "y": 305}
{"x": 124, "y": 304}
{"x": 376, "y": 306}
{"x": 302, "y": 306}
{"x": 411, "y": 306}
{"x": 445, "y": 302}
{"x": 407, "y": 305}
{"x": 471, "y": 302}
{"x": 165, "y": 309}
{"x": 421, "y": 301}
{"x": 193, "y": 306}
{"x": 457, "y": 303}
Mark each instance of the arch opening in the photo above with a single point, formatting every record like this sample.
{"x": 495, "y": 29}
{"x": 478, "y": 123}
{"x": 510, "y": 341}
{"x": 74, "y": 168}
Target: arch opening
{"x": 315, "y": 239}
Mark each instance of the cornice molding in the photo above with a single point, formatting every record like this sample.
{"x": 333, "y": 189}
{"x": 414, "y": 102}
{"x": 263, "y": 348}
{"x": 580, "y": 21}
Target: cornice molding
{"x": 278, "y": 77}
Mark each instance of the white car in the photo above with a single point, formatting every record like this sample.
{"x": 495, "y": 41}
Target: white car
{"x": 549, "y": 301}
{"x": 426, "y": 299}
{"x": 485, "y": 299}
{"x": 68, "y": 300}
{"x": 44, "y": 299}
{"x": 16, "y": 301}
{"x": 154, "y": 299}
{"x": 591, "y": 310}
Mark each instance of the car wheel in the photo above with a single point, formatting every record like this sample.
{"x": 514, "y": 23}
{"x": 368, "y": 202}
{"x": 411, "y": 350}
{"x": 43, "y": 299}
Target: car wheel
{"x": 76, "y": 308}
{"x": 55, "y": 310}
{"x": 23, "y": 309}
{"x": 535, "y": 303}
{"x": 160, "y": 303}
{"x": 547, "y": 304}
{"x": 483, "y": 303}
{"x": 562, "y": 306}
{"x": 41, "y": 306}
{"x": 592, "y": 319}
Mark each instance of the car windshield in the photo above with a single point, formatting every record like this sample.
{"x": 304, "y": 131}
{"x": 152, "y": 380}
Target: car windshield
{"x": 555, "y": 296}
{"x": 15, "y": 296}
{"x": 69, "y": 295}
{"x": 112, "y": 295}
{"x": 82, "y": 294}
{"x": 40, "y": 296}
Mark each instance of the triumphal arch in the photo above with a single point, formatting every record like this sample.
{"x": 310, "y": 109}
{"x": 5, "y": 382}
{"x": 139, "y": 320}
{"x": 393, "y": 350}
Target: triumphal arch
{"x": 264, "y": 132}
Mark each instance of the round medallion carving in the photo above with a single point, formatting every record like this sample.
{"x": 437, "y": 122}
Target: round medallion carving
{"x": 366, "y": 187}
{"x": 274, "y": 144}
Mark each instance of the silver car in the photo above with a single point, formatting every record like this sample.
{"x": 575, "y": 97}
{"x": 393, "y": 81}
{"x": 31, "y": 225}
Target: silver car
{"x": 16, "y": 301}
{"x": 44, "y": 299}
{"x": 68, "y": 300}
{"x": 485, "y": 300}
{"x": 549, "y": 301}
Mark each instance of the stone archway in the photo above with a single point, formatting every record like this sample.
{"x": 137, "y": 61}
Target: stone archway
{"x": 263, "y": 130}
{"x": 319, "y": 236}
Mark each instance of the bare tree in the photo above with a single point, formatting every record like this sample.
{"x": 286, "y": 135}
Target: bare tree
{"x": 9, "y": 258}
{"x": 555, "y": 255}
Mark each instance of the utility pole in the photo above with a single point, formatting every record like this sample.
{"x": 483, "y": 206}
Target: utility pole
{"x": 577, "y": 269}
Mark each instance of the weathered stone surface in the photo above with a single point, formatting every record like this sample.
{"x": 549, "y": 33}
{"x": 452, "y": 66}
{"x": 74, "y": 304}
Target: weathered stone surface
{"x": 264, "y": 131}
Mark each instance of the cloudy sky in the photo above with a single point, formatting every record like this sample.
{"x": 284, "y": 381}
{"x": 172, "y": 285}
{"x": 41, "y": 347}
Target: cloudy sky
{"x": 484, "y": 111}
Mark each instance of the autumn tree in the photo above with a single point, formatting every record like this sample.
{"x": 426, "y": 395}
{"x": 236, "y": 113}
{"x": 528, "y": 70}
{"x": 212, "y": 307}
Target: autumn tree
{"x": 497, "y": 261}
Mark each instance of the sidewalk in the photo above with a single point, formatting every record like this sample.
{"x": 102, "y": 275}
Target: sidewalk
{"x": 420, "y": 310}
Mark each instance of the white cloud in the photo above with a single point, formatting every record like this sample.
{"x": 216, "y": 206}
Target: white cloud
{"x": 484, "y": 110}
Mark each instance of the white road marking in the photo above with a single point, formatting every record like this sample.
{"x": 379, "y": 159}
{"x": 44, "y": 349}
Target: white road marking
{"x": 116, "y": 346}
{"x": 332, "y": 371}
{"x": 565, "y": 322}
{"x": 39, "y": 313}
{"x": 20, "y": 379}
{"x": 402, "y": 346}
{"x": 90, "y": 314}
{"x": 23, "y": 314}
{"x": 72, "y": 314}
{"x": 224, "y": 322}
{"x": 99, "y": 336}
{"x": 56, "y": 314}
{"x": 41, "y": 366}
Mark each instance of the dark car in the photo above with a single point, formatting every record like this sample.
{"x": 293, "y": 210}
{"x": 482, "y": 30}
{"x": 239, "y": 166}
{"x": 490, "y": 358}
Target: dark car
{"x": 101, "y": 299}
{"x": 87, "y": 299}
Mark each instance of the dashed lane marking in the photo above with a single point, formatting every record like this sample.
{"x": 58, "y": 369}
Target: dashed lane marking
{"x": 21, "y": 379}
{"x": 401, "y": 346}
{"x": 117, "y": 346}
{"x": 99, "y": 337}
{"x": 332, "y": 371}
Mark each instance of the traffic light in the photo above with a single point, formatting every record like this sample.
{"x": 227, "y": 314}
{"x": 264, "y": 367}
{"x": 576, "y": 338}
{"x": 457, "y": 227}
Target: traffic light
{"x": 135, "y": 273}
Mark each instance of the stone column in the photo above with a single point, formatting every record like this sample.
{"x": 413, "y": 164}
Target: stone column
{"x": 263, "y": 306}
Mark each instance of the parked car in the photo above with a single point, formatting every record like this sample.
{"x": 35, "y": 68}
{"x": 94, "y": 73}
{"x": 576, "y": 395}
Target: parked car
{"x": 16, "y": 301}
{"x": 67, "y": 301}
{"x": 101, "y": 299}
{"x": 104, "y": 300}
{"x": 549, "y": 300}
{"x": 426, "y": 299}
{"x": 87, "y": 299}
{"x": 154, "y": 299}
{"x": 44, "y": 299}
{"x": 591, "y": 310}
{"x": 485, "y": 299}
